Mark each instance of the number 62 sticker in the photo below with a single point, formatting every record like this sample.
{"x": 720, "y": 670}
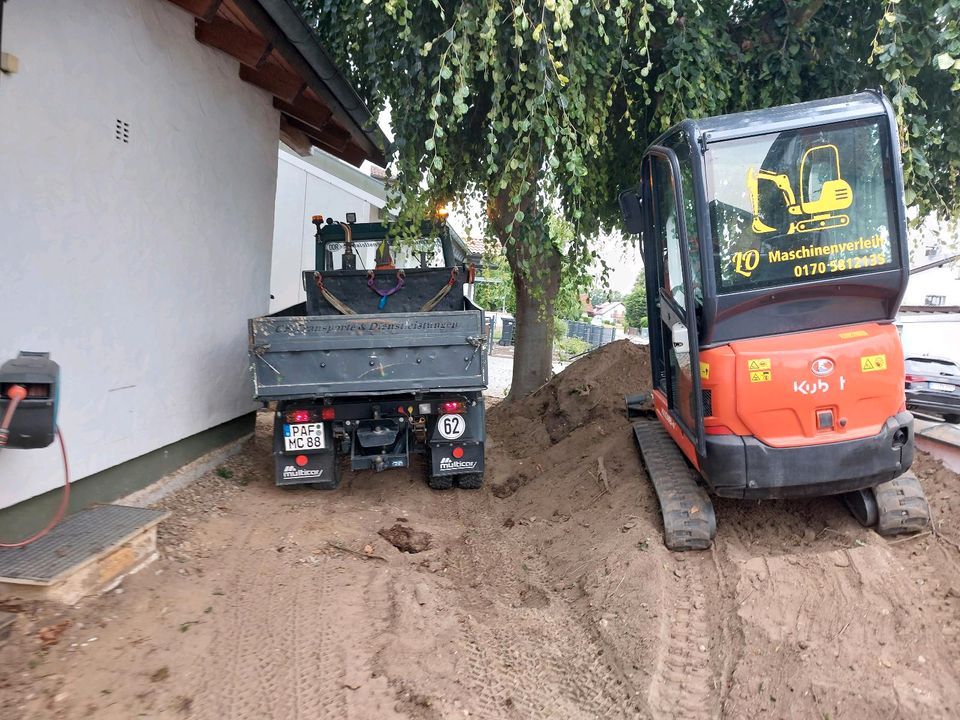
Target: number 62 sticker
{"x": 451, "y": 426}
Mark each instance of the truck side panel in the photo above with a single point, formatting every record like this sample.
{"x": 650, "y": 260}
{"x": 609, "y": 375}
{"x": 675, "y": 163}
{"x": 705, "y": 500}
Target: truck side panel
{"x": 297, "y": 357}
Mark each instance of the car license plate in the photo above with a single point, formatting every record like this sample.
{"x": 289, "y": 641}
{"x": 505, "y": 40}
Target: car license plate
{"x": 303, "y": 436}
{"x": 942, "y": 387}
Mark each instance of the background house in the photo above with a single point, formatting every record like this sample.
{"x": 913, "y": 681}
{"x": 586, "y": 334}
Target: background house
{"x": 609, "y": 312}
{"x": 929, "y": 316}
{"x": 139, "y": 179}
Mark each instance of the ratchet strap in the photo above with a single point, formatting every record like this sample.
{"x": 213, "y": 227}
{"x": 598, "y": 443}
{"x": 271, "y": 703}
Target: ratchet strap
{"x": 331, "y": 298}
{"x": 435, "y": 300}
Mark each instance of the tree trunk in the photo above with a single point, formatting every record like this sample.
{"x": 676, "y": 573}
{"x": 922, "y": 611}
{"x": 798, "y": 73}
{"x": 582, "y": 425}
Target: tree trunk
{"x": 533, "y": 333}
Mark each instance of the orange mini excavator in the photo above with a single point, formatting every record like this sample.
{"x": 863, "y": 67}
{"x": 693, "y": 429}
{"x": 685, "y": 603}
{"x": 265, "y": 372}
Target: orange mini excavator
{"x": 777, "y": 369}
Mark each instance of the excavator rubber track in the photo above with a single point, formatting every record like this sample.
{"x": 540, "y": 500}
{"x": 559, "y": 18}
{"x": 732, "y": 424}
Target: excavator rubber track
{"x": 689, "y": 522}
{"x": 902, "y": 506}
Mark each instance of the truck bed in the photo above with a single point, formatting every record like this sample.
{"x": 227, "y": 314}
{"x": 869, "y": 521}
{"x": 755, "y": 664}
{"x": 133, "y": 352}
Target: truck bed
{"x": 340, "y": 355}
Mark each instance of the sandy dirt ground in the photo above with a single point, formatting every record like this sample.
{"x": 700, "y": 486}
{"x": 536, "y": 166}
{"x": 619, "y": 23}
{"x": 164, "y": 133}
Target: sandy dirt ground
{"x": 546, "y": 594}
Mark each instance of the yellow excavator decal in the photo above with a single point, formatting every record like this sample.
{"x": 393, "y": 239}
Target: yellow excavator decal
{"x": 821, "y": 211}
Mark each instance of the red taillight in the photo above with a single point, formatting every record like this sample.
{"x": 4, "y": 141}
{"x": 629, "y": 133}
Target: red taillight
{"x": 299, "y": 416}
{"x": 328, "y": 413}
{"x": 915, "y": 378}
{"x": 458, "y": 452}
{"x": 451, "y": 407}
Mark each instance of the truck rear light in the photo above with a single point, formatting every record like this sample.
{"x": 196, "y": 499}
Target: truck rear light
{"x": 328, "y": 413}
{"x": 425, "y": 408}
{"x": 457, "y": 452}
{"x": 451, "y": 407}
{"x": 299, "y": 416}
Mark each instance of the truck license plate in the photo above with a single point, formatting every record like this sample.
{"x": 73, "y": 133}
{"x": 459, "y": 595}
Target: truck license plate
{"x": 943, "y": 387}
{"x": 303, "y": 436}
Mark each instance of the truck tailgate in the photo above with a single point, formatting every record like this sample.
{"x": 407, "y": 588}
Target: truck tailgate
{"x": 312, "y": 356}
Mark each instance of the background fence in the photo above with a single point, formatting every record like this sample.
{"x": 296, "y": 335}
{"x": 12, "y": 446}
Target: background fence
{"x": 596, "y": 335}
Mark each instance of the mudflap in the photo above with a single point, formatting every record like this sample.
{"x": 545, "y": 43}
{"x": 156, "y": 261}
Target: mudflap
{"x": 319, "y": 469}
{"x": 689, "y": 521}
{"x": 456, "y": 459}
{"x": 456, "y": 444}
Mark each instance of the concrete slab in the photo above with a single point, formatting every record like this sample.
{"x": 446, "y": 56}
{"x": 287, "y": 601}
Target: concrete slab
{"x": 942, "y": 440}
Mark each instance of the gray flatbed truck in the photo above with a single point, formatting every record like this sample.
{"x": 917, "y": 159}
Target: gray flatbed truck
{"x": 377, "y": 365}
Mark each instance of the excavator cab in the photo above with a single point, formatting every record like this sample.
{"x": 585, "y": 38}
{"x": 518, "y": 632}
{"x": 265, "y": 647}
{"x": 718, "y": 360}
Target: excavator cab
{"x": 775, "y": 256}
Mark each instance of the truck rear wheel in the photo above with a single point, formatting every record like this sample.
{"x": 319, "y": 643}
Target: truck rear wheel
{"x": 440, "y": 482}
{"x": 470, "y": 481}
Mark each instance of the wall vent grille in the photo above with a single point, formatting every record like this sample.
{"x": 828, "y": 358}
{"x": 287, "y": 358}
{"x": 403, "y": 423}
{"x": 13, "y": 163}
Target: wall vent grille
{"x": 122, "y": 131}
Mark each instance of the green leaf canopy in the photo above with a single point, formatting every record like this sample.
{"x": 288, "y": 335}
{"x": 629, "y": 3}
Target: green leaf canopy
{"x": 528, "y": 104}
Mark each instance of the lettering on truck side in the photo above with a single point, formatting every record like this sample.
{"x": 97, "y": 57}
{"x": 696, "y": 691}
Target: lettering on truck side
{"x": 303, "y": 328}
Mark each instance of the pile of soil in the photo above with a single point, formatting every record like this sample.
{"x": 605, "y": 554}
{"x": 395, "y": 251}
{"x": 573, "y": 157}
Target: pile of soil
{"x": 589, "y": 391}
{"x": 563, "y": 426}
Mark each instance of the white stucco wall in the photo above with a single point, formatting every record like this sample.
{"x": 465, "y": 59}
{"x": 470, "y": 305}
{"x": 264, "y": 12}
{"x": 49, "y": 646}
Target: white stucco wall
{"x": 304, "y": 190}
{"x": 135, "y": 264}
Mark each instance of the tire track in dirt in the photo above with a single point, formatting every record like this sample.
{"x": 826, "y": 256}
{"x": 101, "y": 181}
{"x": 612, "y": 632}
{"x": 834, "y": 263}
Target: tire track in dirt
{"x": 527, "y": 655}
{"x": 683, "y": 684}
{"x": 286, "y": 647}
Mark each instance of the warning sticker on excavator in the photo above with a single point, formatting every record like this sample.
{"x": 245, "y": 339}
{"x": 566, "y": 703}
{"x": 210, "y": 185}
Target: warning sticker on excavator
{"x": 853, "y": 334}
{"x": 761, "y": 376}
{"x": 872, "y": 363}
{"x": 705, "y": 371}
{"x": 758, "y": 364}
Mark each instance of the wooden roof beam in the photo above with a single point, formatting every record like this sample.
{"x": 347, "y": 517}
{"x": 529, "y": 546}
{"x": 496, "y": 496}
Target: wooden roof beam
{"x": 353, "y": 154}
{"x": 247, "y": 47}
{"x": 275, "y": 80}
{"x": 300, "y": 137}
{"x": 308, "y": 111}
{"x": 295, "y": 137}
{"x": 331, "y": 137}
{"x": 203, "y": 9}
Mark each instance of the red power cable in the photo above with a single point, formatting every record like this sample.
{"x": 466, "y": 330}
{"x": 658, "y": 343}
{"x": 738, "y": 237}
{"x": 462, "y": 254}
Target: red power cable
{"x": 16, "y": 393}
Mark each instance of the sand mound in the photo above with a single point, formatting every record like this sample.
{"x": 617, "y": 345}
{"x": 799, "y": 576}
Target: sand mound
{"x": 590, "y": 390}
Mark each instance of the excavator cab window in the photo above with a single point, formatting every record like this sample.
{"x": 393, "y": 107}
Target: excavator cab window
{"x": 680, "y": 145}
{"x": 801, "y": 205}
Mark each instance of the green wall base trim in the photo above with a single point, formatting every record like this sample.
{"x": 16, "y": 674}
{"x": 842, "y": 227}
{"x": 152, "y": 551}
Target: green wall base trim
{"x": 25, "y": 518}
